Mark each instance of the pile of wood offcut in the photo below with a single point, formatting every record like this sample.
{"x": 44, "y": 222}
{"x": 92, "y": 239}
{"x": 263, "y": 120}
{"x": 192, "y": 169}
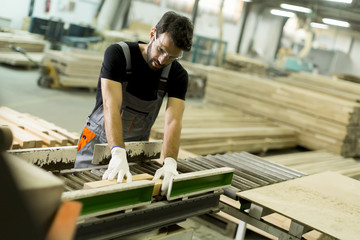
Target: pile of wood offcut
{"x": 324, "y": 117}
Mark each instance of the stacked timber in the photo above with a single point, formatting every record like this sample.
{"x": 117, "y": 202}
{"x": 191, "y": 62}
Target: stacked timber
{"x": 245, "y": 64}
{"x": 76, "y": 68}
{"x": 327, "y": 85}
{"x": 313, "y": 162}
{"x": 322, "y": 121}
{"x": 197, "y": 79}
{"x": 218, "y": 130}
{"x": 32, "y": 132}
{"x": 31, "y": 43}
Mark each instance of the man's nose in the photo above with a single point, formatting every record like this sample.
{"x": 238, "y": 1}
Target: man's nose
{"x": 162, "y": 58}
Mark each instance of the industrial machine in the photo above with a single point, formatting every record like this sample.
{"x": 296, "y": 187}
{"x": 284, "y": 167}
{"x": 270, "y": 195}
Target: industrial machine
{"x": 118, "y": 210}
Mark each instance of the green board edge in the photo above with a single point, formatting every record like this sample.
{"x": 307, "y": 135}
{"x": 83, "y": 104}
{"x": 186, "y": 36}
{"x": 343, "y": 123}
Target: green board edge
{"x": 115, "y": 200}
{"x": 200, "y": 184}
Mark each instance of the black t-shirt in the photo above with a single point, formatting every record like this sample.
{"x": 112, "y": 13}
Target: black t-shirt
{"x": 143, "y": 82}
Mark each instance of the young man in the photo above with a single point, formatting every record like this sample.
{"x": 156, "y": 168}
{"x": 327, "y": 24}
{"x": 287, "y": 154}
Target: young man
{"x": 134, "y": 79}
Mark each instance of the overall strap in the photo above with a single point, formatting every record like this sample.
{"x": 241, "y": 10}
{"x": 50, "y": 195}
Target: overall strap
{"x": 126, "y": 51}
{"x": 164, "y": 77}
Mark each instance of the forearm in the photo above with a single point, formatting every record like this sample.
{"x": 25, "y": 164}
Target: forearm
{"x": 172, "y": 131}
{"x": 112, "y": 116}
{"x": 113, "y": 127}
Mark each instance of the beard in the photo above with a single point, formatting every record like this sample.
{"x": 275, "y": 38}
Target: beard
{"x": 150, "y": 61}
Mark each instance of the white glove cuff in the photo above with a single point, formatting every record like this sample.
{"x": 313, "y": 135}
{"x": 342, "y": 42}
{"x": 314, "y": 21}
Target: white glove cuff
{"x": 117, "y": 150}
{"x": 170, "y": 162}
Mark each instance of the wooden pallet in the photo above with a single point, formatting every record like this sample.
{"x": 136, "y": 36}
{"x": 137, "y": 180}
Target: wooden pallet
{"x": 209, "y": 130}
{"x": 32, "y": 132}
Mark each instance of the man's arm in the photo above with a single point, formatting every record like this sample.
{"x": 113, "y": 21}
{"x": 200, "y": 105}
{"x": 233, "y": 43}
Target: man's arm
{"x": 172, "y": 128}
{"x": 112, "y": 100}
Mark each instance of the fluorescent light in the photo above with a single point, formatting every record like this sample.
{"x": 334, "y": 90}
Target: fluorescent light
{"x": 282, "y": 13}
{"x": 340, "y": 1}
{"x": 247, "y": 0}
{"x": 335, "y": 22}
{"x": 295, "y": 8}
{"x": 319, "y": 25}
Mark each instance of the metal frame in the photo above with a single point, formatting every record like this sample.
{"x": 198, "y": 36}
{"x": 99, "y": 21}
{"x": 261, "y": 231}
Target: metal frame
{"x": 152, "y": 216}
{"x": 252, "y": 214}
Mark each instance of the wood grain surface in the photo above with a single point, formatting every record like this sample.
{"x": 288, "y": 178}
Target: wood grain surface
{"x": 327, "y": 202}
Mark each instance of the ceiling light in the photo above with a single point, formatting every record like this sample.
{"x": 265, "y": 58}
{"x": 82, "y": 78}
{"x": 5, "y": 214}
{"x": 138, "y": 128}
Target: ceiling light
{"x": 340, "y": 1}
{"x": 282, "y": 13}
{"x": 319, "y": 25}
{"x": 335, "y": 22}
{"x": 295, "y": 8}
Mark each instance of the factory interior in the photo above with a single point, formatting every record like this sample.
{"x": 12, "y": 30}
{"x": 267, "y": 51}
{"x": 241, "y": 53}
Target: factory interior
{"x": 269, "y": 146}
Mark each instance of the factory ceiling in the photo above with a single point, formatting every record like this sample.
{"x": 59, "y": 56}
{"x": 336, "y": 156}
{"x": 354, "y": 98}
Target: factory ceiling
{"x": 349, "y": 12}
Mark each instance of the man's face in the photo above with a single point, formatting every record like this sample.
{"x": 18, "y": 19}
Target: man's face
{"x": 162, "y": 51}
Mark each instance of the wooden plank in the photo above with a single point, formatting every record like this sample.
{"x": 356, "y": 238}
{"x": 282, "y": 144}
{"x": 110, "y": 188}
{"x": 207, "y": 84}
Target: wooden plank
{"x": 327, "y": 202}
{"x": 22, "y": 137}
{"x": 103, "y": 183}
{"x": 138, "y": 177}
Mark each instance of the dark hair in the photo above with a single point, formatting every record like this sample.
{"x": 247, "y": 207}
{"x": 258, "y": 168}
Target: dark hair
{"x": 179, "y": 27}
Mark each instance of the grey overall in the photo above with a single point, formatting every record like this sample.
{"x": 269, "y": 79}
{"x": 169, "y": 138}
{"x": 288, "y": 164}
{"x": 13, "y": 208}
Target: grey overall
{"x": 138, "y": 116}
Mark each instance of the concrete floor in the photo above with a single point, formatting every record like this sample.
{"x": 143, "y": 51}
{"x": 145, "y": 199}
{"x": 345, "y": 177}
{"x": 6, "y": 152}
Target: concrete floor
{"x": 68, "y": 109}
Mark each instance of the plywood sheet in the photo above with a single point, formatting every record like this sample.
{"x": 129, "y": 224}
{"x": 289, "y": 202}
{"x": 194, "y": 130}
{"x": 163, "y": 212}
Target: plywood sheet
{"x": 327, "y": 202}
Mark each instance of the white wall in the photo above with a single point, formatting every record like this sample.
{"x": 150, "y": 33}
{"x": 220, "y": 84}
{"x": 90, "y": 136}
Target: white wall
{"x": 16, "y": 10}
{"x": 261, "y": 31}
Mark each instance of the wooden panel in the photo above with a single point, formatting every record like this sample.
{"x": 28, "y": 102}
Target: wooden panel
{"x": 327, "y": 202}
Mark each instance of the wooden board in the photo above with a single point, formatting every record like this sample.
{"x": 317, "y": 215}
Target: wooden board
{"x": 138, "y": 177}
{"x": 327, "y": 202}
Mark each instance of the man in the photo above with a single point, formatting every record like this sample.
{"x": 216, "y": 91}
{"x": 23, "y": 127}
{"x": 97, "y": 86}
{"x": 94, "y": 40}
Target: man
{"x": 133, "y": 81}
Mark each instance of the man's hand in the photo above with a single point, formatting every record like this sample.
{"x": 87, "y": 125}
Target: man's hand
{"x": 118, "y": 166}
{"x": 167, "y": 171}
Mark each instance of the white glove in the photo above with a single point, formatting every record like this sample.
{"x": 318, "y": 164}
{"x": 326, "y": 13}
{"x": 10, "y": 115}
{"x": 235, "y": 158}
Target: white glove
{"x": 168, "y": 171}
{"x": 118, "y": 165}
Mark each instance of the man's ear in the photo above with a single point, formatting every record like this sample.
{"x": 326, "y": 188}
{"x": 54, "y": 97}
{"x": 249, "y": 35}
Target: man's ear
{"x": 152, "y": 33}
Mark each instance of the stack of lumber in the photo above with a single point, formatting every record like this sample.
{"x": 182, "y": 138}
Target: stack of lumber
{"x": 313, "y": 162}
{"x": 76, "y": 68}
{"x": 347, "y": 77}
{"x": 27, "y": 41}
{"x": 31, "y": 43}
{"x": 245, "y": 64}
{"x": 32, "y": 132}
{"x": 322, "y": 120}
{"x": 197, "y": 79}
{"x": 218, "y": 130}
